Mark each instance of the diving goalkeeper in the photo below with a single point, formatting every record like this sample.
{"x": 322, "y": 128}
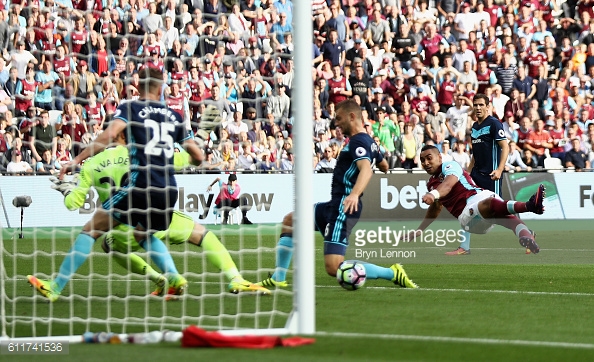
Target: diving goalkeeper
{"x": 108, "y": 170}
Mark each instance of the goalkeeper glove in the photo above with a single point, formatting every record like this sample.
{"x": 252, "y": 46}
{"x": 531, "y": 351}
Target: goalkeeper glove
{"x": 210, "y": 119}
{"x": 65, "y": 187}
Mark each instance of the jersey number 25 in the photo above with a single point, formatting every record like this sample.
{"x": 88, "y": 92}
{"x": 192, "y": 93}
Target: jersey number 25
{"x": 162, "y": 141}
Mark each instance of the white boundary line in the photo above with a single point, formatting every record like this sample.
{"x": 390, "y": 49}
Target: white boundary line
{"x": 516, "y": 342}
{"x": 420, "y": 289}
{"x": 494, "y": 291}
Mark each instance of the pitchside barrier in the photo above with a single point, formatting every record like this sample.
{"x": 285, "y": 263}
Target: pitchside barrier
{"x": 269, "y": 197}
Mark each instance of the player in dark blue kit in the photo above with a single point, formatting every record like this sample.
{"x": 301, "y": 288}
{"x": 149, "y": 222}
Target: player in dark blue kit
{"x": 489, "y": 154}
{"x": 146, "y": 199}
{"x": 336, "y": 218}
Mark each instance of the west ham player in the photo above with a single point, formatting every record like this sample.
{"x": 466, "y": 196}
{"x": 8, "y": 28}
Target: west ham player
{"x": 148, "y": 196}
{"x": 113, "y": 164}
{"x": 477, "y": 209}
{"x": 489, "y": 154}
{"x": 336, "y": 218}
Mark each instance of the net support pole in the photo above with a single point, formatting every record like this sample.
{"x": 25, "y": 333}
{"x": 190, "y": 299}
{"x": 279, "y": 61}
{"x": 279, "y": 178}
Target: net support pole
{"x": 303, "y": 225}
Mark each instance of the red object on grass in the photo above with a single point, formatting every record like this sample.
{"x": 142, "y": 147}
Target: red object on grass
{"x": 197, "y": 337}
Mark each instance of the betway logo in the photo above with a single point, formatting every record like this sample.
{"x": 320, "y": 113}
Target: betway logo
{"x": 196, "y": 202}
{"x": 193, "y": 202}
{"x": 409, "y": 197}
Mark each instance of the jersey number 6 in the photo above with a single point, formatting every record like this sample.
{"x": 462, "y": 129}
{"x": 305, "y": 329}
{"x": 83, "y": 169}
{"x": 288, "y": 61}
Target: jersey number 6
{"x": 161, "y": 141}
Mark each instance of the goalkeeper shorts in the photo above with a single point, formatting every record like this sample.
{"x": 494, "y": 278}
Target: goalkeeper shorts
{"x": 121, "y": 238}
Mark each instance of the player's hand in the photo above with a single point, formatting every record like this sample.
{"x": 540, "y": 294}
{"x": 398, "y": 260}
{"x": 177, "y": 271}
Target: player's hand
{"x": 351, "y": 204}
{"x": 411, "y": 235}
{"x": 67, "y": 167}
{"x": 428, "y": 199}
{"x": 495, "y": 175}
{"x": 65, "y": 187}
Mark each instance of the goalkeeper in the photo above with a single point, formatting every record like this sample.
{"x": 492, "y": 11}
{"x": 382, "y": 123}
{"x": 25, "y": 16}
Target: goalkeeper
{"x": 110, "y": 169}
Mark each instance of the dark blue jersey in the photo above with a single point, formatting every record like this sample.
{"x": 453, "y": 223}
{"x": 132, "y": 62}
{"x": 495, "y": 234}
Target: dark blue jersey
{"x": 360, "y": 146}
{"x": 485, "y": 150}
{"x": 152, "y": 128}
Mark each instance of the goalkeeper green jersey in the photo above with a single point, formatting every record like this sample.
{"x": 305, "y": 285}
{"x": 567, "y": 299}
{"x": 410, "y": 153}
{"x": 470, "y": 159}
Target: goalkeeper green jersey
{"x": 107, "y": 172}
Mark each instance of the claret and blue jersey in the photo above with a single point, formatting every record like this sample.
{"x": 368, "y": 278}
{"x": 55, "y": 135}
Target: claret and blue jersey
{"x": 463, "y": 189}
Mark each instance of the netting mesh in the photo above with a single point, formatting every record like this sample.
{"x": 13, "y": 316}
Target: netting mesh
{"x": 102, "y": 296}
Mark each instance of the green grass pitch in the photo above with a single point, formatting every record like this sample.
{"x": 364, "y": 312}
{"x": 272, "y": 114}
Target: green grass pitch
{"x": 496, "y": 304}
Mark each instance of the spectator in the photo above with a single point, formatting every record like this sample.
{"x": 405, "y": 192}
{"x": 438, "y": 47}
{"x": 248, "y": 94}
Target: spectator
{"x": 457, "y": 119}
{"x": 327, "y": 163}
{"x": 576, "y": 158}
{"x": 514, "y": 159}
{"x": 460, "y": 155}
{"x": 46, "y": 166}
{"x": 435, "y": 127}
{"x": 538, "y": 141}
{"x": 43, "y": 137}
{"x": 17, "y": 165}
{"x": 409, "y": 143}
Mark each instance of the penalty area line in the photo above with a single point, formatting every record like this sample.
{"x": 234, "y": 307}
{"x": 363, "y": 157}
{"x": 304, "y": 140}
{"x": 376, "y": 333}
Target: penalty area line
{"x": 516, "y": 342}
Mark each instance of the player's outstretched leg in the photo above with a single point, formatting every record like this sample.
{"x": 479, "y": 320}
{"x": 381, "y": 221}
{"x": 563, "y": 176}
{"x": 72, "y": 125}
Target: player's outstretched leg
{"x": 218, "y": 255}
{"x": 395, "y": 274}
{"x": 120, "y": 245}
{"x": 502, "y": 213}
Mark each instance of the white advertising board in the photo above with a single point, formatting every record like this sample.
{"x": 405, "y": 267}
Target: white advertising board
{"x": 270, "y": 197}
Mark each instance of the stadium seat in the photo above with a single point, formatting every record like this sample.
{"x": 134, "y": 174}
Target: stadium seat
{"x": 553, "y": 164}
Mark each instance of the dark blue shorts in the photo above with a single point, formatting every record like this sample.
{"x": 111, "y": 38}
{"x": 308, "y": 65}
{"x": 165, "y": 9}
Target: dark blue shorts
{"x": 152, "y": 210}
{"x": 335, "y": 225}
{"x": 483, "y": 180}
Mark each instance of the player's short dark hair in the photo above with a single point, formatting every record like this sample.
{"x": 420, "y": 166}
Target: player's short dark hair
{"x": 349, "y": 105}
{"x": 429, "y": 147}
{"x": 482, "y": 96}
{"x": 150, "y": 78}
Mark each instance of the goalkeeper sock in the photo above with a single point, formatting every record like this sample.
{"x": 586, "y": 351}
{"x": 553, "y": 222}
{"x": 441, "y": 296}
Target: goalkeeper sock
{"x": 136, "y": 264}
{"x": 160, "y": 255}
{"x": 284, "y": 253}
{"x": 377, "y": 272}
{"x": 465, "y": 240}
{"x": 76, "y": 257}
{"x": 218, "y": 255}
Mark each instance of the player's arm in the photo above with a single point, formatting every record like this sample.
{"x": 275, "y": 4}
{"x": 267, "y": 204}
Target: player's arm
{"x": 351, "y": 202}
{"x": 383, "y": 166}
{"x": 432, "y": 213}
{"x": 442, "y": 190}
{"x": 105, "y": 139}
{"x": 195, "y": 152}
{"x": 496, "y": 174}
{"x": 76, "y": 198}
{"x": 212, "y": 184}
{"x": 471, "y": 164}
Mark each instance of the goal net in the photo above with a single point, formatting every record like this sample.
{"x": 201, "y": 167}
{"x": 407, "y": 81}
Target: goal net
{"x": 102, "y": 296}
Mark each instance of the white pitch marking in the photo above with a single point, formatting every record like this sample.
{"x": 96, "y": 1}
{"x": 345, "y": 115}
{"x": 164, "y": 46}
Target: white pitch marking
{"x": 495, "y": 291}
{"x": 516, "y": 342}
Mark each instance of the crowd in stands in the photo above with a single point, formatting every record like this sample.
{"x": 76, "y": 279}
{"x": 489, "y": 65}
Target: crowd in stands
{"x": 414, "y": 66}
